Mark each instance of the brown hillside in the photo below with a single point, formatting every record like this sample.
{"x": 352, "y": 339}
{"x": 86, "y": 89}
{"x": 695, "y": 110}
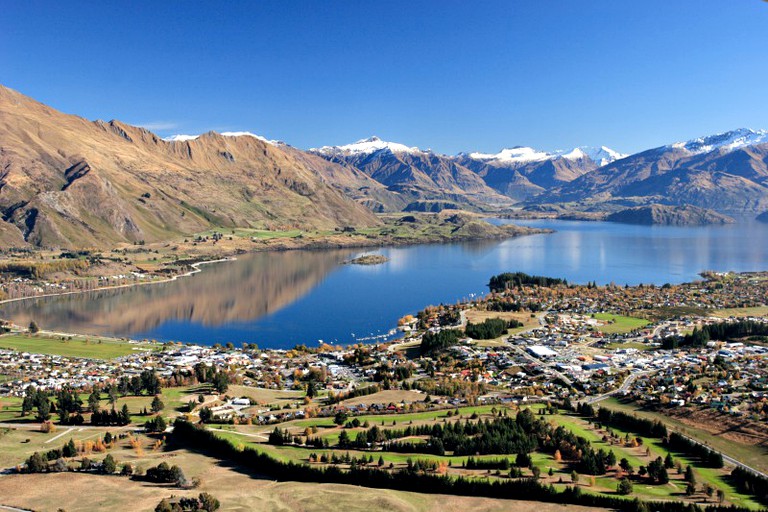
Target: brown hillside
{"x": 69, "y": 182}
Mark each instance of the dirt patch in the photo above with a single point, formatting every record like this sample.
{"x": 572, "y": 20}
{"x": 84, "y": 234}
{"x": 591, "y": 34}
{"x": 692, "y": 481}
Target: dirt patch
{"x": 733, "y": 428}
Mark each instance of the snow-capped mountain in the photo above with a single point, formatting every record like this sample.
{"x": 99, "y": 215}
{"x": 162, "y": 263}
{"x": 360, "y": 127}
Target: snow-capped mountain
{"x": 727, "y": 172}
{"x": 521, "y": 154}
{"x": 184, "y": 138}
{"x": 727, "y": 141}
{"x": 365, "y": 147}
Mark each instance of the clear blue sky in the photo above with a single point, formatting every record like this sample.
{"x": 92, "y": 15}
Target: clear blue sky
{"x": 450, "y": 75}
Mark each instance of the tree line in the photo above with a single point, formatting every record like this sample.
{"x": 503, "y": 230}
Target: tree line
{"x": 507, "y": 280}
{"x": 202, "y": 440}
{"x": 490, "y": 328}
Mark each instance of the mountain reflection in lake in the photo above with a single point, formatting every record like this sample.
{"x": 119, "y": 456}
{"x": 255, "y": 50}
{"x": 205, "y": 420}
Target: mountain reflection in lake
{"x": 280, "y": 299}
{"x": 253, "y": 286}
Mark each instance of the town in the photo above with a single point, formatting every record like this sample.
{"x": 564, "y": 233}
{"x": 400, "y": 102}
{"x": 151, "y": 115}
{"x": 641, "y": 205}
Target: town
{"x": 532, "y": 343}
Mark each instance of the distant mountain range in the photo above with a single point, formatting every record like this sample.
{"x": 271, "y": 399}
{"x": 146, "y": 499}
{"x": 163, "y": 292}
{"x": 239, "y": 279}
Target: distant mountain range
{"x": 69, "y": 182}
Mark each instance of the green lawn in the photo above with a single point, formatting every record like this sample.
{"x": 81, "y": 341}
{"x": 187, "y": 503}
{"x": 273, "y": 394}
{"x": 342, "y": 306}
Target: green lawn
{"x": 561, "y": 469}
{"x": 85, "y": 347}
{"x": 619, "y": 324}
{"x": 636, "y": 457}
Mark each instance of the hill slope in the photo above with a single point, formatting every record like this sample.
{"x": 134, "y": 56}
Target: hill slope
{"x": 664, "y": 215}
{"x": 69, "y": 182}
{"x": 726, "y": 172}
{"x": 416, "y": 176}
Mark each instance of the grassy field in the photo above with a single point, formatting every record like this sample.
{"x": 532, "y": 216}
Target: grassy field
{"x": 741, "y": 312}
{"x": 266, "y": 396}
{"x": 238, "y": 492}
{"x": 615, "y": 345}
{"x": 637, "y": 456}
{"x": 85, "y": 347}
{"x": 385, "y": 397}
{"x": 617, "y": 324}
{"x": 755, "y": 456}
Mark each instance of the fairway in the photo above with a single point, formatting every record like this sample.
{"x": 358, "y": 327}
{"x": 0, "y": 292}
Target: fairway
{"x": 617, "y": 324}
{"x": 85, "y": 347}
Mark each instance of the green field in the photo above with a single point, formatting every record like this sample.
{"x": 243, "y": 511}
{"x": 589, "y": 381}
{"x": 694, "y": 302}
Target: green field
{"x": 605, "y": 484}
{"x": 78, "y": 346}
{"x": 755, "y": 456}
{"x": 619, "y": 324}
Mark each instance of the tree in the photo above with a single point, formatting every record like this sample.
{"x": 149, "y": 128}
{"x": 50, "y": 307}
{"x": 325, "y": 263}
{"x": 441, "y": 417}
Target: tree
{"x": 523, "y": 460}
{"x": 344, "y": 440}
{"x": 44, "y": 410}
{"x": 624, "y": 487}
{"x": 208, "y": 502}
{"x": 164, "y": 506}
{"x": 109, "y": 465}
{"x": 93, "y": 400}
{"x": 33, "y": 327}
{"x": 536, "y": 472}
{"x": 574, "y": 477}
{"x": 125, "y": 415}
{"x": 311, "y": 391}
{"x": 206, "y": 414}
{"x": 221, "y": 382}
{"x": 156, "y": 424}
{"x": 626, "y": 466}
{"x": 69, "y": 449}
{"x": 669, "y": 462}
{"x": 36, "y": 463}
{"x": 157, "y": 405}
{"x": 341, "y": 417}
{"x": 690, "y": 489}
{"x": 690, "y": 477}
{"x": 720, "y": 496}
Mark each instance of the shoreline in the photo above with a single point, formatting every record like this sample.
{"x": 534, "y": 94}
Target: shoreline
{"x": 279, "y": 245}
{"x": 195, "y": 270}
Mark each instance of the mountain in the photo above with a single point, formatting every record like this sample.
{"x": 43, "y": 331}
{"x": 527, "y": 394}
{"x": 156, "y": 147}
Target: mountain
{"x": 523, "y": 172}
{"x": 69, "y": 182}
{"x": 657, "y": 214}
{"x": 417, "y": 176}
{"x": 727, "y": 172}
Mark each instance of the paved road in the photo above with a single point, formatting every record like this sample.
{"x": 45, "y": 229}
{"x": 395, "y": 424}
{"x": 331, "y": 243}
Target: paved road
{"x": 14, "y": 509}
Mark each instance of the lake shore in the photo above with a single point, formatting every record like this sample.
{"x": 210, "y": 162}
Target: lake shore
{"x": 184, "y": 258}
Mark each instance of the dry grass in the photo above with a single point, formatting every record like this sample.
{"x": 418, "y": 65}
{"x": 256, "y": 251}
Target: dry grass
{"x": 387, "y": 396}
{"x": 265, "y": 396}
{"x": 237, "y": 492}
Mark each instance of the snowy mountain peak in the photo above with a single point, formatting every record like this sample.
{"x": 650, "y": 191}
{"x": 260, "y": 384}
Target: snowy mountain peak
{"x": 184, "y": 138}
{"x": 249, "y": 134}
{"x": 180, "y": 138}
{"x": 602, "y": 155}
{"x": 727, "y": 141}
{"x": 520, "y": 154}
{"x": 366, "y": 147}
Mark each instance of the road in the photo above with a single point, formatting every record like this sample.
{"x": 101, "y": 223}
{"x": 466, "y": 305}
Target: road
{"x": 625, "y": 386}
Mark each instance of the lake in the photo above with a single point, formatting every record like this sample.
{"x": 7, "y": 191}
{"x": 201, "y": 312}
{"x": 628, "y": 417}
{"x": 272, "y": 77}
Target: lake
{"x": 279, "y": 299}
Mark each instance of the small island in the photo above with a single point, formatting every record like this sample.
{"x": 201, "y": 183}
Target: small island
{"x": 368, "y": 259}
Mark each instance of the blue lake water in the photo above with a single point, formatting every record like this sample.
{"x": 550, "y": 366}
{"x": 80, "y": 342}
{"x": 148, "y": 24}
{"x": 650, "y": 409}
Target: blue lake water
{"x": 283, "y": 298}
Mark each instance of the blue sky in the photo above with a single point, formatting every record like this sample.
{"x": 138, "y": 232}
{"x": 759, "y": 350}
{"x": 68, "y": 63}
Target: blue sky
{"x": 447, "y": 75}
